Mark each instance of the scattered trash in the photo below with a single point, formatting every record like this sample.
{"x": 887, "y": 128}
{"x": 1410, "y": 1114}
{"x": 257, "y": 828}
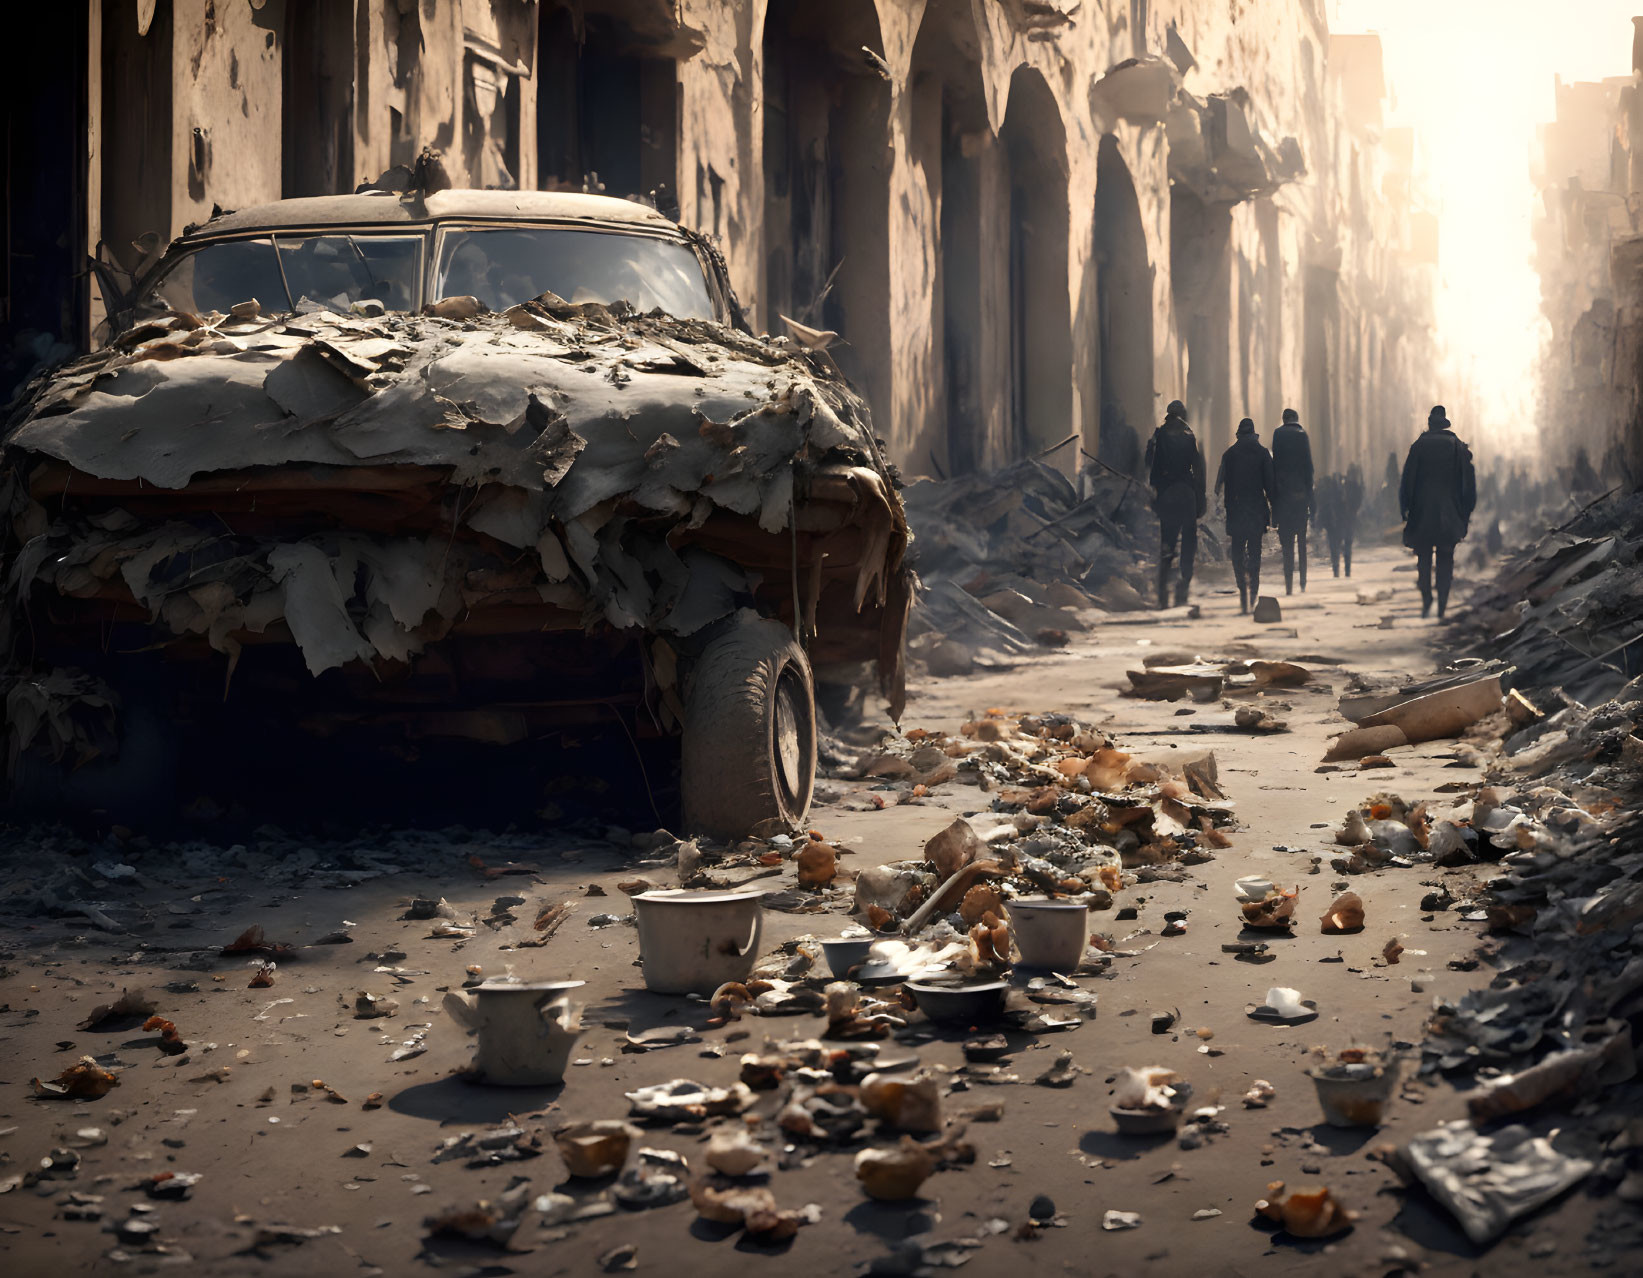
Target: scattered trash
{"x": 1060, "y": 1073}
{"x": 1486, "y": 1181}
{"x": 1354, "y": 1086}
{"x": 370, "y": 1006}
{"x": 486, "y": 1220}
{"x": 656, "y": 1178}
{"x": 910, "y": 1105}
{"x": 171, "y": 1041}
{"x": 84, "y": 1080}
{"x": 1149, "y": 1100}
{"x": 132, "y": 1005}
{"x": 731, "y": 1151}
{"x": 1345, "y": 915}
{"x": 1112, "y": 1220}
{"x": 1284, "y": 1006}
{"x": 684, "y": 1101}
{"x": 1260, "y": 1094}
{"x": 893, "y": 1175}
{"x": 1273, "y": 912}
{"x": 597, "y": 1148}
{"x": 253, "y": 941}
{"x": 1305, "y": 1213}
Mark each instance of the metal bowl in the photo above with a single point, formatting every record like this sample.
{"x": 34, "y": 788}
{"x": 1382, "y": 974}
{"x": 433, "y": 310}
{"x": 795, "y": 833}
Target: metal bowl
{"x": 1145, "y": 1122}
{"x": 959, "y": 1004}
{"x": 845, "y": 952}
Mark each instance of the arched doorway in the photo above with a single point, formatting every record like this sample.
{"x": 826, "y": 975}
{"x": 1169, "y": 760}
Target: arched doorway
{"x": 1124, "y": 300}
{"x": 1040, "y": 360}
{"x": 827, "y": 181}
{"x": 949, "y": 130}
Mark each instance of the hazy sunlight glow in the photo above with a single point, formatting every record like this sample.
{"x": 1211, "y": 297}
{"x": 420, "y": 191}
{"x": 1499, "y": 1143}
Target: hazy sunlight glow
{"x": 1474, "y": 78}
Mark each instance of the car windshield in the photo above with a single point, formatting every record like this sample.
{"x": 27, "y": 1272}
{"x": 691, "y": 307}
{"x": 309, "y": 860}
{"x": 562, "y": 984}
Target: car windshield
{"x": 505, "y": 267}
{"x": 320, "y": 272}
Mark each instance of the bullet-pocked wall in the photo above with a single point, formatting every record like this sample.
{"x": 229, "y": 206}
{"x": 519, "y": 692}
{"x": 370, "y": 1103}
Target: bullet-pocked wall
{"x": 1026, "y": 221}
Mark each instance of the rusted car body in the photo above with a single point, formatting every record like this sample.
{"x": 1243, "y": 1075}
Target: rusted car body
{"x": 468, "y": 465}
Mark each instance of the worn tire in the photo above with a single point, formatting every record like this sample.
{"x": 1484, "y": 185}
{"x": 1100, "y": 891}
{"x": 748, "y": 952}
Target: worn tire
{"x": 748, "y": 756}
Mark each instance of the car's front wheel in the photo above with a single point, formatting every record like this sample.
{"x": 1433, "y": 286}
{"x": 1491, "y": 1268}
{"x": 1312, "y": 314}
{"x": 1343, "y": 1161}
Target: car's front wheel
{"x": 749, "y": 750}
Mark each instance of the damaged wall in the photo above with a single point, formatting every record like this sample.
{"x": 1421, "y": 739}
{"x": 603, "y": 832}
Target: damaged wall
{"x": 1024, "y": 221}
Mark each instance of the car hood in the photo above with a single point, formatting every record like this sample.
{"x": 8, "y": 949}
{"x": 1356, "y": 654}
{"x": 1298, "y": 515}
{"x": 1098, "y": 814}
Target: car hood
{"x": 573, "y": 403}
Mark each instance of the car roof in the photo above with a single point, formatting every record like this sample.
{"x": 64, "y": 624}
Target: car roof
{"x": 388, "y": 208}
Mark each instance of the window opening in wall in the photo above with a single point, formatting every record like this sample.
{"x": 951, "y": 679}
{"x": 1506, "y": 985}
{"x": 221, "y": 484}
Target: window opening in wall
{"x": 606, "y": 106}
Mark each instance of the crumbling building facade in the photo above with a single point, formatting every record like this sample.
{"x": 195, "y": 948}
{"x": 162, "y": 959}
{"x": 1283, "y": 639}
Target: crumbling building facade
{"x": 1589, "y": 254}
{"x": 1030, "y": 222}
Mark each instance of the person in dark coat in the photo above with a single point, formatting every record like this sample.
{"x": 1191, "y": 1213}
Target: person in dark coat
{"x": 1437, "y": 495}
{"x": 1175, "y": 468}
{"x": 1246, "y": 485}
{"x": 1340, "y": 497}
{"x": 1293, "y": 506}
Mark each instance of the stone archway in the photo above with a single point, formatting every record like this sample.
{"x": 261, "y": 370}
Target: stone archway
{"x": 1124, "y": 301}
{"x": 949, "y": 130}
{"x": 1040, "y": 328}
{"x": 827, "y": 182}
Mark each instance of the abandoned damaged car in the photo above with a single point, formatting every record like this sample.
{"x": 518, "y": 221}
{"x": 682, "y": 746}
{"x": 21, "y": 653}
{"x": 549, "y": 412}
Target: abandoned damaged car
{"x": 397, "y": 469}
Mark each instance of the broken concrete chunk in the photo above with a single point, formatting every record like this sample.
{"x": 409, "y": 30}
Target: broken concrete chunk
{"x": 1356, "y": 743}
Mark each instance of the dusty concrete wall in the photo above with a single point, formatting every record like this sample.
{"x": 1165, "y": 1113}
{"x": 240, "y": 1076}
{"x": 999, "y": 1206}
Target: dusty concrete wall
{"x": 980, "y": 202}
{"x": 226, "y": 105}
{"x": 1589, "y": 251}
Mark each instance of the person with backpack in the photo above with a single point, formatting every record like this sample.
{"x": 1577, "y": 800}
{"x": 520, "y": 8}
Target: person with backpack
{"x": 1245, "y": 485}
{"x": 1293, "y": 505}
{"x": 1437, "y": 495}
{"x": 1175, "y": 468}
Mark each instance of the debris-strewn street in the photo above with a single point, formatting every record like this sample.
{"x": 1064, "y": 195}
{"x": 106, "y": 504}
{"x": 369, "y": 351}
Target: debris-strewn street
{"x": 821, "y": 637}
{"x": 251, "y": 1055}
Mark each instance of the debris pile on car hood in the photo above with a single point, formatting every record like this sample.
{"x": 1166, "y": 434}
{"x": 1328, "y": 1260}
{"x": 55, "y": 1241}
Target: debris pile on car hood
{"x": 370, "y": 484}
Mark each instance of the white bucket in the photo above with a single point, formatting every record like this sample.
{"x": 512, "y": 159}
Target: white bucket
{"x": 692, "y": 942}
{"x": 1049, "y": 933}
{"x": 526, "y": 1030}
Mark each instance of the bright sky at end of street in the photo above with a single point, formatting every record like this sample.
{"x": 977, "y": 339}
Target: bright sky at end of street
{"x": 1475, "y": 78}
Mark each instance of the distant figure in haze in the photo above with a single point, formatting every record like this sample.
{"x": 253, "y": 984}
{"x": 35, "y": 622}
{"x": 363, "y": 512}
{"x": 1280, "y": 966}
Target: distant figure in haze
{"x": 1175, "y": 468}
{"x": 1245, "y": 483}
{"x": 1340, "y": 497}
{"x": 1583, "y": 479}
{"x": 1437, "y": 496}
{"x": 1293, "y": 505}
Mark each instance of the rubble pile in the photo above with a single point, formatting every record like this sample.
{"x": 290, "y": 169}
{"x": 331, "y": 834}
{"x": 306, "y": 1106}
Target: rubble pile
{"x": 1069, "y": 813}
{"x": 1009, "y": 558}
{"x": 1568, "y": 610}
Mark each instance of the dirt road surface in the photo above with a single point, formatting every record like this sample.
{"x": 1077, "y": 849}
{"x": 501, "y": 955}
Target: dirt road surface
{"x": 243, "y": 1114}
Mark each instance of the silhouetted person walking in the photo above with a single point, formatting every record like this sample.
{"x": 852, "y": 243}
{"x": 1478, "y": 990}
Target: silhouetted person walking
{"x": 1292, "y": 506}
{"x": 1340, "y": 497}
{"x": 1437, "y": 495}
{"x": 1245, "y": 484}
{"x": 1175, "y": 468}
